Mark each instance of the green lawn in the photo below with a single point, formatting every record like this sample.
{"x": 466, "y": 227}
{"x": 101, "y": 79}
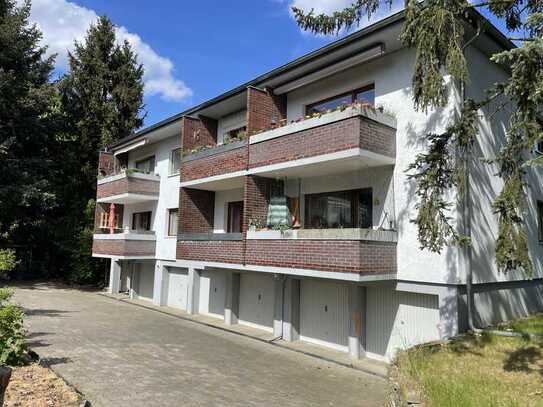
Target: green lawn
{"x": 478, "y": 370}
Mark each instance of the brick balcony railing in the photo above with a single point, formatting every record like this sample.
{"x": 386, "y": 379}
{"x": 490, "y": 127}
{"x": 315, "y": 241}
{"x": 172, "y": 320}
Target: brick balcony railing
{"x": 146, "y": 186}
{"x": 212, "y": 247}
{"x": 361, "y": 251}
{"x": 219, "y": 160}
{"x": 356, "y": 128}
{"x": 124, "y": 245}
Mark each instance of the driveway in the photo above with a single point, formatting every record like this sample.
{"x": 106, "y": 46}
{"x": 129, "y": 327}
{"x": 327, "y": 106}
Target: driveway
{"x": 120, "y": 354}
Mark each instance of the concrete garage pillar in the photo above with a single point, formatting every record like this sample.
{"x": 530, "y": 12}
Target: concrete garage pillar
{"x": 231, "y": 306}
{"x": 279, "y": 282}
{"x": 160, "y": 284}
{"x": 193, "y": 291}
{"x": 291, "y": 310}
{"x": 357, "y": 321}
{"x": 115, "y": 276}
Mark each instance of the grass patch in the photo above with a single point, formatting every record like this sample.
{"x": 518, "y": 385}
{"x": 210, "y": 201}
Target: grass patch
{"x": 530, "y": 325}
{"x": 477, "y": 370}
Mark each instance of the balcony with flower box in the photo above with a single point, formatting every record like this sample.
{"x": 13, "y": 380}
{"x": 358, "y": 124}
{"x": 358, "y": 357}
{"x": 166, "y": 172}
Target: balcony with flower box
{"x": 127, "y": 187}
{"x": 344, "y": 139}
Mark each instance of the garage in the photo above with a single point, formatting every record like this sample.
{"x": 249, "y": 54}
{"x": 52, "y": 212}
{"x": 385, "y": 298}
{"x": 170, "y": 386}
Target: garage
{"x": 146, "y": 280}
{"x": 324, "y": 315}
{"x": 256, "y": 300}
{"x": 177, "y": 288}
{"x": 212, "y": 293}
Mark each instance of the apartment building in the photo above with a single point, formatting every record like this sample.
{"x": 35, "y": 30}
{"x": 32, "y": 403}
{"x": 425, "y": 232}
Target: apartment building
{"x": 284, "y": 205}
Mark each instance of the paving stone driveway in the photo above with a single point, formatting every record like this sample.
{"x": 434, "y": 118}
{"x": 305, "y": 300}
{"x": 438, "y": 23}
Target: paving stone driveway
{"x": 120, "y": 354}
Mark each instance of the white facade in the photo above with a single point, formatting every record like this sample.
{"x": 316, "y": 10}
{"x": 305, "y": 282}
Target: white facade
{"x": 376, "y": 316}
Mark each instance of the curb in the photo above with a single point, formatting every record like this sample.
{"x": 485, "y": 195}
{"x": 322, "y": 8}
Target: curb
{"x": 269, "y": 342}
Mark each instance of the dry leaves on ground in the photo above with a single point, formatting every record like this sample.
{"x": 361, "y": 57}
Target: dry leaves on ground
{"x": 37, "y": 386}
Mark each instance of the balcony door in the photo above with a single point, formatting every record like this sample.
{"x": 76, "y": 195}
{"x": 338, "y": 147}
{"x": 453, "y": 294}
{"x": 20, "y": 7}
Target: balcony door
{"x": 235, "y": 217}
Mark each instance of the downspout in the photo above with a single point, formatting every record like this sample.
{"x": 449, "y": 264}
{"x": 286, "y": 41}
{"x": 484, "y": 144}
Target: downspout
{"x": 466, "y": 205}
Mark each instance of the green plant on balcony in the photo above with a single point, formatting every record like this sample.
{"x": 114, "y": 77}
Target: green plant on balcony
{"x": 256, "y": 224}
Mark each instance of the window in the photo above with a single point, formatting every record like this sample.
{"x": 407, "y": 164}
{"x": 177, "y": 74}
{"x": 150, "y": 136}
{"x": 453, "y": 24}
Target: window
{"x": 175, "y": 161}
{"x": 141, "y": 221}
{"x": 540, "y": 220}
{"x": 146, "y": 165}
{"x": 343, "y": 209}
{"x": 235, "y": 217}
{"x": 172, "y": 222}
{"x": 366, "y": 95}
{"x": 238, "y": 133}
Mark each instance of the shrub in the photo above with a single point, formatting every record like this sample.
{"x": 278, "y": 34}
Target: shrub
{"x": 8, "y": 261}
{"x": 12, "y": 335}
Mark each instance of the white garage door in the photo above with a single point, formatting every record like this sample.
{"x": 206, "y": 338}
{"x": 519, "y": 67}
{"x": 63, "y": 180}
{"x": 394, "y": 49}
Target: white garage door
{"x": 177, "y": 288}
{"x": 146, "y": 280}
{"x": 212, "y": 293}
{"x": 324, "y": 315}
{"x": 256, "y": 300}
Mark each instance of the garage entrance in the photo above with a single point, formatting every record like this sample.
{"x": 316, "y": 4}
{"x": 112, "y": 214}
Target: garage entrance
{"x": 212, "y": 293}
{"x": 256, "y": 300}
{"x": 177, "y": 293}
{"x": 324, "y": 314}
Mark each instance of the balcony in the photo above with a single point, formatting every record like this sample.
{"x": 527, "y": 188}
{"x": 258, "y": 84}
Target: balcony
{"x": 343, "y": 140}
{"x": 360, "y": 251}
{"x": 125, "y": 245}
{"x": 219, "y": 167}
{"x": 210, "y": 247}
{"x": 128, "y": 187}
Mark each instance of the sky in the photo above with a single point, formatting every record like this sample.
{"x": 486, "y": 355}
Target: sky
{"x": 191, "y": 51}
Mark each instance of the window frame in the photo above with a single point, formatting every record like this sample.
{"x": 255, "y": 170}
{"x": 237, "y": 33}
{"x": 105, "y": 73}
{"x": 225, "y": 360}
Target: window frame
{"x": 149, "y": 157}
{"x": 352, "y": 93}
{"x": 171, "y": 172}
{"x": 229, "y": 221}
{"x": 148, "y": 227}
{"x": 169, "y": 231}
{"x": 355, "y": 205}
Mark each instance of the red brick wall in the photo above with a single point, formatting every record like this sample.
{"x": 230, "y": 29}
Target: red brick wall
{"x": 218, "y": 164}
{"x": 255, "y": 199}
{"x": 196, "y": 210}
{"x": 127, "y": 184}
{"x": 124, "y": 247}
{"x": 377, "y": 138}
{"x": 342, "y": 135}
{"x": 106, "y": 163}
{"x": 263, "y": 107}
{"x": 222, "y": 251}
{"x": 326, "y": 255}
{"x": 198, "y": 132}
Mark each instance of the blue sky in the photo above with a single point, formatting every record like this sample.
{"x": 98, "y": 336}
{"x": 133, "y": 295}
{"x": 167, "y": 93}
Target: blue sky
{"x": 192, "y": 51}
{"x": 214, "y": 45}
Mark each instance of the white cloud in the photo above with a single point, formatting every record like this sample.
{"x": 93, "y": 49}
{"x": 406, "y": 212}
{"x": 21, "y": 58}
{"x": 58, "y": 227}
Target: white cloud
{"x": 62, "y": 22}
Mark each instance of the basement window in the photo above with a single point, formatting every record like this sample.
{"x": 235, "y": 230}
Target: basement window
{"x": 341, "y": 209}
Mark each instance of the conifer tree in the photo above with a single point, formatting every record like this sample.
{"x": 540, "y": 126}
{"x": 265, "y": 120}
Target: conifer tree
{"x": 26, "y": 95}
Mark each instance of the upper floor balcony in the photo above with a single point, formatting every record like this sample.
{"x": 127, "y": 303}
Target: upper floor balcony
{"x": 125, "y": 244}
{"x": 128, "y": 186}
{"x": 345, "y": 139}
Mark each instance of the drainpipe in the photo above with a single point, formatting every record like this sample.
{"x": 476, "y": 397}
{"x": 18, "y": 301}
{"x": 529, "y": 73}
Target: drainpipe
{"x": 466, "y": 205}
